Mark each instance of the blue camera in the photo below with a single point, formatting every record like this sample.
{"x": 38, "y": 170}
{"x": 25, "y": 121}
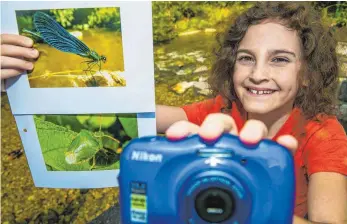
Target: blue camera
{"x": 192, "y": 181}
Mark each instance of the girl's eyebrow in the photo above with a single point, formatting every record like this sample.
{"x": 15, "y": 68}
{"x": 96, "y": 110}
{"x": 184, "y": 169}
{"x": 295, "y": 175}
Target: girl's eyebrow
{"x": 272, "y": 52}
{"x": 245, "y": 51}
{"x": 281, "y": 51}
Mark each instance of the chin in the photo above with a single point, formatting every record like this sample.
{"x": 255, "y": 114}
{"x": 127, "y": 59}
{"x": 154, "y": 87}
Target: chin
{"x": 258, "y": 108}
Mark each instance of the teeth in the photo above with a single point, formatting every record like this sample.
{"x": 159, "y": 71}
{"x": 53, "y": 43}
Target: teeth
{"x": 261, "y": 92}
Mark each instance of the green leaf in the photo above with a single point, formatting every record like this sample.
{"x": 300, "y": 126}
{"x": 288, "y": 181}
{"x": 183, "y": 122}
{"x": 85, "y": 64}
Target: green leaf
{"x": 54, "y": 141}
{"x": 69, "y": 121}
{"x": 129, "y": 123}
{"x": 52, "y": 136}
{"x": 109, "y": 143}
{"x": 83, "y": 118}
{"x": 49, "y": 168}
{"x": 125, "y": 144}
{"x": 105, "y": 160}
{"x": 114, "y": 166}
{"x": 105, "y": 121}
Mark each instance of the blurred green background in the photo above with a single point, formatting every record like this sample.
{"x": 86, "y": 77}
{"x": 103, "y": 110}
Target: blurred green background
{"x": 76, "y": 18}
{"x": 184, "y": 36}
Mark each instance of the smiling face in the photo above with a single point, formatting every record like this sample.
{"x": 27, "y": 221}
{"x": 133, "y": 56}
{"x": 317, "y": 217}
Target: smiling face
{"x": 267, "y": 68}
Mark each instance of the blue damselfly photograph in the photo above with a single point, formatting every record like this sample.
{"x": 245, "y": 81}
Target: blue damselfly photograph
{"x": 79, "y": 47}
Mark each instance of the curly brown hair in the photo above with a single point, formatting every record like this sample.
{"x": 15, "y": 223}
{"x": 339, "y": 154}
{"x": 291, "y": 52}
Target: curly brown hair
{"x": 319, "y": 79}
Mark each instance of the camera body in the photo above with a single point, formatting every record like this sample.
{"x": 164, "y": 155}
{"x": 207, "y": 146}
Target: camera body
{"x": 195, "y": 182}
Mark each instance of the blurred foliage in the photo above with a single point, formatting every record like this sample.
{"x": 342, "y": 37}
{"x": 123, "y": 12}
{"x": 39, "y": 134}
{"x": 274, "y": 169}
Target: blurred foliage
{"x": 25, "y": 22}
{"x": 25, "y": 19}
{"x": 79, "y": 19}
{"x": 63, "y": 16}
{"x": 163, "y": 21}
{"x": 105, "y": 17}
{"x": 333, "y": 13}
{"x": 172, "y": 18}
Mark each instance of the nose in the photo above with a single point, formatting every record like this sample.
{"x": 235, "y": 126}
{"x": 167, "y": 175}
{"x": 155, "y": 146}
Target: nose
{"x": 259, "y": 73}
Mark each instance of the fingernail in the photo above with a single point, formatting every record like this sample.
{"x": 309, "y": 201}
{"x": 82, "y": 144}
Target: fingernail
{"x": 30, "y": 66}
{"x": 175, "y": 138}
{"x": 249, "y": 139}
{"x": 34, "y": 52}
{"x": 209, "y": 140}
{"x": 249, "y": 144}
{"x": 29, "y": 42}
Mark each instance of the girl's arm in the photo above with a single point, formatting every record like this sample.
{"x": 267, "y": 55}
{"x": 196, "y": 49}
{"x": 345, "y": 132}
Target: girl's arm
{"x": 327, "y": 199}
{"x": 167, "y": 115}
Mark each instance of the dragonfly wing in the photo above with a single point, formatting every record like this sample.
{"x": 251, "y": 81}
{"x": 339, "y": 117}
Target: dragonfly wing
{"x": 56, "y": 36}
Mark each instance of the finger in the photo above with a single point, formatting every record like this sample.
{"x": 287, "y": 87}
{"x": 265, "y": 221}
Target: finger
{"x": 181, "y": 129}
{"x": 16, "y": 51}
{"x": 8, "y": 73}
{"x": 289, "y": 142}
{"x": 13, "y": 39}
{"x": 15, "y": 63}
{"x": 216, "y": 124}
{"x": 253, "y": 131}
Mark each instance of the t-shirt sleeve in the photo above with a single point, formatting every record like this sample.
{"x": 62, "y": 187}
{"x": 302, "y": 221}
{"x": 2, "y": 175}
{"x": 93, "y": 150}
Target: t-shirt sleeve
{"x": 197, "y": 112}
{"x": 326, "y": 150}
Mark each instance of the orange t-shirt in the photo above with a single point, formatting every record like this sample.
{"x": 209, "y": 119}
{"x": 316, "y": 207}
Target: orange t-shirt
{"x": 322, "y": 146}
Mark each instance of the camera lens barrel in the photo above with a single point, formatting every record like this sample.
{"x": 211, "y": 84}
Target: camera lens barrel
{"x": 214, "y": 204}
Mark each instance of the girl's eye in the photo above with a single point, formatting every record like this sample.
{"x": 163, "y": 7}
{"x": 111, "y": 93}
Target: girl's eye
{"x": 245, "y": 59}
{"x": 280, "y": 60}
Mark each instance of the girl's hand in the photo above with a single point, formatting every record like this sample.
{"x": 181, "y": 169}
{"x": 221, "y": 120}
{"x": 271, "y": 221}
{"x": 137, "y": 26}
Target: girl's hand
{"x": 15, "y": 52}
{"x": 216, "y": 124}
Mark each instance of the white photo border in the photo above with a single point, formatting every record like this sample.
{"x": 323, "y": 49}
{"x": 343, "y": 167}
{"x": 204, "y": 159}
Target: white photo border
{"x": 138, "y": 96}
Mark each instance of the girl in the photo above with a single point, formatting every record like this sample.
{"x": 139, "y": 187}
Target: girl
{"x": 274, "y": 77}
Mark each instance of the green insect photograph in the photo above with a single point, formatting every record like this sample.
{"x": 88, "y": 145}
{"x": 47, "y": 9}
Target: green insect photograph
{"x": 84, "y": 142}
{"x": 79, "y": 47}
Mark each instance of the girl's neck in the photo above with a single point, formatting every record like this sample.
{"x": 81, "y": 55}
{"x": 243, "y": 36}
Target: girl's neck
{"x": 273, "y": 120}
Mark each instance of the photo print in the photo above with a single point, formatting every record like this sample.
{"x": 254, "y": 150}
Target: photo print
{"x": 79, "y": 47}
{"x": 84, "y": 142}
{"x": 94, "y": 57}
{"x": 79, "y": 150}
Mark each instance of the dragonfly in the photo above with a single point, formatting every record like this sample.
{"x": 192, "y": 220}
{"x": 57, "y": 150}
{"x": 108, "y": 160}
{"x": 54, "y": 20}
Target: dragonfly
{"x": 52, "y": 33}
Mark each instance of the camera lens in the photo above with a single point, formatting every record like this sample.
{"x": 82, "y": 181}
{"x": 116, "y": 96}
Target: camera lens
{"x": 214, "y": 205}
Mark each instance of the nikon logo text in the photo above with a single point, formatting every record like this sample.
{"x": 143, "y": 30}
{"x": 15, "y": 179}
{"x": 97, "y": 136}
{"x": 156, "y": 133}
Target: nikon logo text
{"x": 146, "y": 157}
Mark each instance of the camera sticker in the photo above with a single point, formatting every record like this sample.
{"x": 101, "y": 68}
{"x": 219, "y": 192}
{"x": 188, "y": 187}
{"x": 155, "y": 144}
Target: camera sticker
{"x": 138, "y": 202}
